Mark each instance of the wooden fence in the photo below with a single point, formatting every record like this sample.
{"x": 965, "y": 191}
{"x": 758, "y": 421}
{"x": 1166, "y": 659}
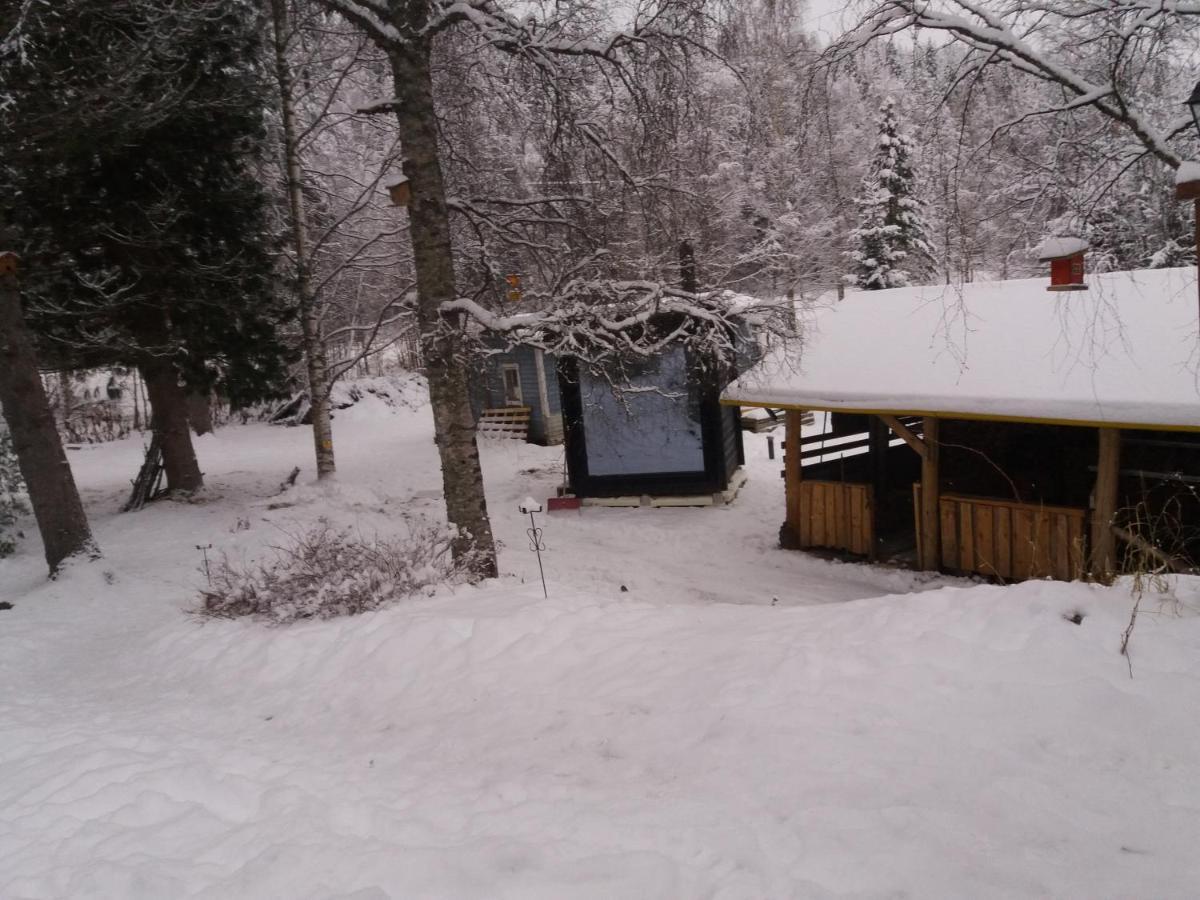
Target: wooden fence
{"x": 1010, "y": 540}
{"x": 838, "y": 515}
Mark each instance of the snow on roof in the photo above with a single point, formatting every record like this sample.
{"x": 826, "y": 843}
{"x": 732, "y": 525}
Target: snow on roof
{"x": 1189, "y": 170}
{"x": 1124, "y": 352}
{"x": 1058, "y": 247}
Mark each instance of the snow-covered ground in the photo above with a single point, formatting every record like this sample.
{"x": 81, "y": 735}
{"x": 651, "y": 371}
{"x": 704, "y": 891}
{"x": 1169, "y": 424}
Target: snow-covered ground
{"x": 739, "y": 722}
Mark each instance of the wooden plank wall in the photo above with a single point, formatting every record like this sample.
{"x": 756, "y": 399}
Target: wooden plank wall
{"x": 1009, "y": 540}
{"x": 838, "y": 515}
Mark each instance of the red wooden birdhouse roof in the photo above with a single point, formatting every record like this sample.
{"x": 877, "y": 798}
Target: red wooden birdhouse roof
{"x": 1065, "y": 255}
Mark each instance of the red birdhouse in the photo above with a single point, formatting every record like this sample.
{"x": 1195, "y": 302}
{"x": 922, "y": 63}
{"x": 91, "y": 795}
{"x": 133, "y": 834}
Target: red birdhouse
{"x": 1065, "y": 255}
{"x": 399, "y": 190}
{"x": 8, "y": 262}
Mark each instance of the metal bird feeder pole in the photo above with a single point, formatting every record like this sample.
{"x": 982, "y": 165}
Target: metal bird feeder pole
{"x": 537, "y": 545}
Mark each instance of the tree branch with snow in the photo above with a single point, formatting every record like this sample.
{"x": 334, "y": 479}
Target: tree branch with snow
{"x": 598, "y": 321}
{"x": 1095, "y": 53}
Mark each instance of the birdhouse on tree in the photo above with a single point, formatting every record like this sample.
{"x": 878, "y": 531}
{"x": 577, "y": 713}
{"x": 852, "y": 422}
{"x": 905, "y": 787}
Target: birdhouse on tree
{"x": 399, "y": 190}
{"x": 8, "y": 262}
{"x": 514, "y": 287}
{"x": 1187, "y": 179}
{"x": 1065, "y": 255}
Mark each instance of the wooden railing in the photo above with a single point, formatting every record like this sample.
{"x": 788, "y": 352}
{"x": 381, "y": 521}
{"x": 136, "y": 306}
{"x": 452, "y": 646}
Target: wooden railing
{"x": 816, "y": 447}
{"x": 838, "y": 515}
{"x": 1009, "y": 540}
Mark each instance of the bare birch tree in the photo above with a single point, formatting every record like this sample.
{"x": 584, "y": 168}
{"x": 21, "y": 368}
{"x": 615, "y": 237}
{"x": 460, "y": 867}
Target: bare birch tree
{"x": 310, "y": 329}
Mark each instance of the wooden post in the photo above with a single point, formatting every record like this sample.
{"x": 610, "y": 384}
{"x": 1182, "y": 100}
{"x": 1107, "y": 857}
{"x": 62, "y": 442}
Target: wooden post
{"x": 931, "y": 533}
{"x": 1103, "y": 559}
{"x": 1190, "y": 190}
{"x": 878, "y": 440}
{"x": 792, "y": 472}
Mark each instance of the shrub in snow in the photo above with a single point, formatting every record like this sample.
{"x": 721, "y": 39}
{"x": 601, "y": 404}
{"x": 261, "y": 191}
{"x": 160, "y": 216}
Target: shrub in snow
{"x": 12, "y": 490}
{"x": 325, "y": 572}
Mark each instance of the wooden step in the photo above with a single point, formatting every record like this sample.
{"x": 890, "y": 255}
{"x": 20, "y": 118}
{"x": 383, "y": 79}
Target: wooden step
{"x": 505, "y": 422}
{"x": 515, "y": 414}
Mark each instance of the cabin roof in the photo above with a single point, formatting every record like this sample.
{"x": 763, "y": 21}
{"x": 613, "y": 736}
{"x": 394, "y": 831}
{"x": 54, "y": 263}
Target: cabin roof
{"x": 1125, "y": 352}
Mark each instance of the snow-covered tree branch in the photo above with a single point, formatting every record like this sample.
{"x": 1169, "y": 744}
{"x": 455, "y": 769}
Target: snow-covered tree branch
{"x": 1098, "y": 55}
{"x": 596, "y": 321}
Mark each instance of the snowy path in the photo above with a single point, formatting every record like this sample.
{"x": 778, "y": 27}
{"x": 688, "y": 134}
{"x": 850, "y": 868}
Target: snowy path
{"x": 682, "y": 739}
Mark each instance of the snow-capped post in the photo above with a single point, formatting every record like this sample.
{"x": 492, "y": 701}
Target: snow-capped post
{"x": 536, "y": 544}
{"x": 1187, "y": 176}
{"x": 1065, "y": 255}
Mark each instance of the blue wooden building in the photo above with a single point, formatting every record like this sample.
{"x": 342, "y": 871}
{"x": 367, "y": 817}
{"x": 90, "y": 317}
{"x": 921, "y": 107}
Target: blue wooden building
{"x": 517, "y": 394}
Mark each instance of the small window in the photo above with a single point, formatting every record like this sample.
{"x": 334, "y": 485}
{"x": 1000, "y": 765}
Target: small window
{"x": 512, "y": 386}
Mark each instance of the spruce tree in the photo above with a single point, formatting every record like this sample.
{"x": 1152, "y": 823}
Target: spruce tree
{"x": 890, "y": 245}
{"x": 1138, "y": 224}
{"x": 139, "y": 214}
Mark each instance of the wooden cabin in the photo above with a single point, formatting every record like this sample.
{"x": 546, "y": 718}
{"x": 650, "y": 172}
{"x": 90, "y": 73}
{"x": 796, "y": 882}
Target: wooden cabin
{"x": 515, "y": 393}
{"x": 993, "y": 428}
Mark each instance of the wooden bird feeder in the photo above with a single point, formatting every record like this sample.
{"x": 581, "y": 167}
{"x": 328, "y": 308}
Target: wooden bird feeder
{"x": 1065, "y": 255}
{"x": 399, "y": 189}
{"x": 1187, "y": 181}
{"x": 8, "y": 262}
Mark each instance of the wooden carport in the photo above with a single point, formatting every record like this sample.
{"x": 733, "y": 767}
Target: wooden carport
{"x": 1029, "y": 370}
{"x": 991, "y": 536}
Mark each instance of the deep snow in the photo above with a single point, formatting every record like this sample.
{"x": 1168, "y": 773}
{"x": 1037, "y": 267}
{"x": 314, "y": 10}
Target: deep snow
{"x": 741, "y": 722}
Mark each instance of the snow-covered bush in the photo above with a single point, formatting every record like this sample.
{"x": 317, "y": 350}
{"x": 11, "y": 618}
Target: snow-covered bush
{"x": 325, "y": 572}
{"x": 12, "y": 490}
{"x": 400, "y": 390}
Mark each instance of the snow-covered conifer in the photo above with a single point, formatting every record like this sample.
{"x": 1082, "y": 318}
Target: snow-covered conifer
{"x": 890, "y": 244}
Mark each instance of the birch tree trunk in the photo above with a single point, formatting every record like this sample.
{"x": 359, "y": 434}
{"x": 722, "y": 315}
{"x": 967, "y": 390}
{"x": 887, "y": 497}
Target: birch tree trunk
{"x": 310, "y": 326}
{"x": 43, "y": 463}
{"x": 454, "y": 425}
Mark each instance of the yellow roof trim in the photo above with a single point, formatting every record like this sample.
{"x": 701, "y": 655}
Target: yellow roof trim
{"x": 951, "y": 414}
